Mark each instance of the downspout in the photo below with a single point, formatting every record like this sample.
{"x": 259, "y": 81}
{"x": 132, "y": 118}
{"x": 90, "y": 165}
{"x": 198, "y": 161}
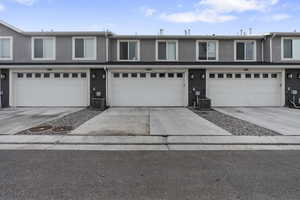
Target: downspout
{"x": 105, "y": 66}
{"x": 262, "y": 50}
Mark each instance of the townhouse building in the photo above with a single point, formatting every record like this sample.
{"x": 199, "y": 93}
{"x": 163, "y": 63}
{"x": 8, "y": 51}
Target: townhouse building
{"x": 73, "y": 68}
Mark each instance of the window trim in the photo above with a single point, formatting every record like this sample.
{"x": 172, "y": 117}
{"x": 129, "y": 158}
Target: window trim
{"x": 156, "y": 50}
{"x": 282, "y": 48}
{"x": 32, "y": 48}
{"x": 11, "y": 47}
{"x": 84, "y": 37}
{"x": 197, "y": 50}
{"x": 138, "y": 50}
{"x": 254, "y": 51}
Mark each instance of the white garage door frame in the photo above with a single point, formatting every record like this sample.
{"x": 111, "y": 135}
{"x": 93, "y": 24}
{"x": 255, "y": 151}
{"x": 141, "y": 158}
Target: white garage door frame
{"x": 280, "y": 71}
{"x": 110, "y": 79}
{"x": 12, "y": 85}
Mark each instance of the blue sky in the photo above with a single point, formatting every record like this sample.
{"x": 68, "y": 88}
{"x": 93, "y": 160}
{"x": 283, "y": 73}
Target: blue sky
{"x": 148, "y": 16}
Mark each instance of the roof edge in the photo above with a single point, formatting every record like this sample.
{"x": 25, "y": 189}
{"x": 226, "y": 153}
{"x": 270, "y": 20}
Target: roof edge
{"x": 11, "y": 27}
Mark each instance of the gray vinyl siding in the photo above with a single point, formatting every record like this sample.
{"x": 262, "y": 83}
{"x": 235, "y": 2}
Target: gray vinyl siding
{"x": 187, "y": 50}
{"x": 276, "y": 46}
{"x": 259, "y": 50}
{"x": 226, "y": 50}
{"x": 22, "y": 48}
{"x": 113, "y": 50}
{"x": 147, "y": 50}
{"x": 267, "y": 50}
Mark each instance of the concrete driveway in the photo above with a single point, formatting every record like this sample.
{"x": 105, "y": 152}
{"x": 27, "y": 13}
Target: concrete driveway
{"x": 282, "y": 120}
{"x": 14, "y": 120}
{"x": 148, "y": 121}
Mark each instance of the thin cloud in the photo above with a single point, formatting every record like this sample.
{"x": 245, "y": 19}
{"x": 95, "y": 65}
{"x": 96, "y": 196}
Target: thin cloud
{"x": 147, "y": 11}
{"x": 218, "y": 11}
{"x": 237, "y": 5}
{"x": 280, "y": 17}
{"x": 2, "y": 7}
{"x": 26, "y": 2}
{"x": 190, "y": 17}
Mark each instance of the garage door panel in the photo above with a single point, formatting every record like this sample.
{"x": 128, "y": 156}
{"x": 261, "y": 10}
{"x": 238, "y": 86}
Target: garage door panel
{"x": 244, "y": 91}
{"x": 147, "y": 91}
{"x": 50, "y": 91}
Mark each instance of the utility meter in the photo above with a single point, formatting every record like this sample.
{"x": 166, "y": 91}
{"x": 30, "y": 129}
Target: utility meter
{"x": 294, "y": 92}
{"x": 98, "y": 94}
{"x": 197, "y": 93}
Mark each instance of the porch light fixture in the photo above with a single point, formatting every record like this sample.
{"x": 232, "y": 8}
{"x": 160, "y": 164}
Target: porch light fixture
{"x": 103, "y": 76}
{"x": 192, "y": 76}
{"x": 3, "y": 76}
{"x": 93, "y": 76}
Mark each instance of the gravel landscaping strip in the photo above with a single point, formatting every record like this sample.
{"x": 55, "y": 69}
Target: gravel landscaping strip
{"x": 234, "y": 125}
{"x": 64, "y": 125}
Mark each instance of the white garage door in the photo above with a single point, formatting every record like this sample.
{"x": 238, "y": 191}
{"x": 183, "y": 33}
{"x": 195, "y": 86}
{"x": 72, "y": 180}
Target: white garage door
{"x": 147, "y": 89}
{"x": 51, "y": 89}
{"x": 244, "y": 88}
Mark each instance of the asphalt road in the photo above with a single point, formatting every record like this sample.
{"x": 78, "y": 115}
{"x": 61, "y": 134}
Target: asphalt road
{"x": 84, "y": 175}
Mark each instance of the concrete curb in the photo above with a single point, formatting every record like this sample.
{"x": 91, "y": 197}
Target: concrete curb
{"x": 151, "y": 140}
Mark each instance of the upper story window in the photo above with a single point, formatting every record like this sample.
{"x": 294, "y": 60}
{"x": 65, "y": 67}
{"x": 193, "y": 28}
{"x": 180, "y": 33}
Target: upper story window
{"x": 128, "y": 50}
{"x": 84, "y": 48}
{"x": 291, "y": 49}
{"x": 6, "y": 48}
{"x": 245, "y": 50}
{"x": 43, "y": 48}
{"x": 207, "y": 50}
{"x": 167, "y": 50}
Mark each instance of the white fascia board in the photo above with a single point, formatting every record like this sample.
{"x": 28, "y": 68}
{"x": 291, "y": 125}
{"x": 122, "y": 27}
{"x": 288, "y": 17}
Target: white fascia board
{"x": 149, "y": 66}
{"x": 52, "y": 66}
{"x": 246, "y": 66}
{"x": 202, "y": 66}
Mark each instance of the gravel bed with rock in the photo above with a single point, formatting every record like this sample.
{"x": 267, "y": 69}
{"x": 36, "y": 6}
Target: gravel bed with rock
{"x": 64, "y": 125}
{"x": 234, "y": 125}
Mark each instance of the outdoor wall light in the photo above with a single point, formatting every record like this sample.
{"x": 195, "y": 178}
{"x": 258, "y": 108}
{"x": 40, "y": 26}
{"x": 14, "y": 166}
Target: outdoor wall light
{"x": 94, "y": 89}
{"x": 103, "y": 76}
{"x": 203, "y": 76}
{"x": 3, "y": 76}
{"x": 93, "y": 76}
{"x": 192, "y": 76}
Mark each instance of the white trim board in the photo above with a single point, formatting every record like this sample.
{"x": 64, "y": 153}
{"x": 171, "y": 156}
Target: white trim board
{"x": 197, "y": 50}
{"x": 54, "y": 48}
{"x": 84, "y": 37}
{"x": 11, "y": 43}
{"x": 167, "y": 60}
{"x": 138, "y": 51}
{"x": 255, "y": 50}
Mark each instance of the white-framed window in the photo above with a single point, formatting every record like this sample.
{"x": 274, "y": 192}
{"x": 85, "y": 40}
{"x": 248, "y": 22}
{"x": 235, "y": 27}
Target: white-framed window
{"x": 84, "y": 48}
{"x": 207, "y": 50}
{"x": 245, "y": 50}
{"x": 166, "y": 50}
{"x": 128, "y": 50}
{"x": 43, "y": 48}
{"x": 290, "y": 48}
{"x": 6, "y": 48}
